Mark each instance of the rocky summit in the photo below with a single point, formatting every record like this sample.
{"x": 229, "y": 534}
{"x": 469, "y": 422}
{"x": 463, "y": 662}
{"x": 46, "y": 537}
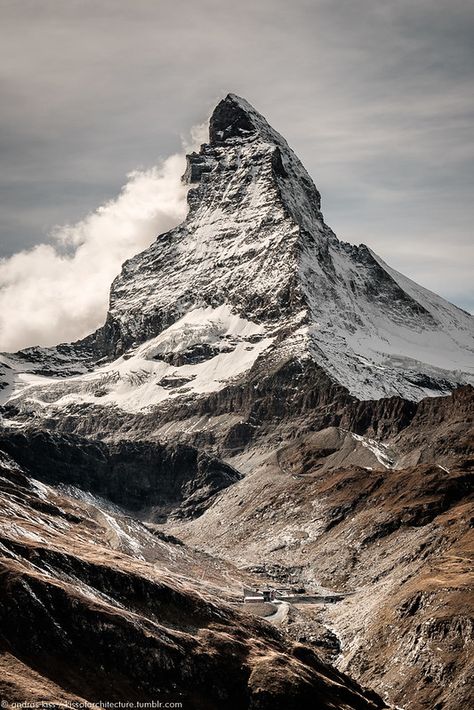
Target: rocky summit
{"x": 265, "y": 408}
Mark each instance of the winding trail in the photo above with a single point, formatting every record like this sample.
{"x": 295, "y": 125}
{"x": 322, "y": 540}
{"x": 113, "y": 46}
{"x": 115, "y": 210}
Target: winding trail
{"x": 281, "y": 614}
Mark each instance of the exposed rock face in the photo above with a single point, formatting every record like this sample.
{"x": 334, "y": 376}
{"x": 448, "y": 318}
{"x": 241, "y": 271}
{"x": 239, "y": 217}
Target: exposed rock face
{"x": 149, "y": 480}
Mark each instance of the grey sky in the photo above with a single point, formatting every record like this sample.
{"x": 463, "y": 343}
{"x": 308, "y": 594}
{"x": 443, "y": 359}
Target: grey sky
{"x": 375, "y": 96}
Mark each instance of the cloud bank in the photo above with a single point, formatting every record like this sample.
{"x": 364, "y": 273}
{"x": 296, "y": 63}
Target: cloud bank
{"x": 58, "y": 291}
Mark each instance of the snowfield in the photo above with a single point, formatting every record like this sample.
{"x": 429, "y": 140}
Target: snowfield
{"x": 142, "y": 379}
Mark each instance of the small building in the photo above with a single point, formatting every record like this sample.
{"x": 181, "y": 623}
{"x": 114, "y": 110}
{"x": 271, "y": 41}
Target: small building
{"x": 258, "y": 595}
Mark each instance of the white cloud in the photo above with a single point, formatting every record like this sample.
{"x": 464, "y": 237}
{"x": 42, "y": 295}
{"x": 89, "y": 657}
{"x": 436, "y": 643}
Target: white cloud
{"x": 58, "y": 292}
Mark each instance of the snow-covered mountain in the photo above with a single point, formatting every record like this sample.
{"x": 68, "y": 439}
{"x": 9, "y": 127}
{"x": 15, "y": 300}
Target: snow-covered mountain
{"x": 232, "y": 411}
{"x": 252, "y": 278}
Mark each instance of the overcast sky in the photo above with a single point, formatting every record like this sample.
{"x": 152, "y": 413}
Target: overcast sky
{"x": 375, "y": 96}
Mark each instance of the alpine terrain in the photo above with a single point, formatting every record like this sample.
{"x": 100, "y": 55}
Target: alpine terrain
{"x": 252, "y": 486}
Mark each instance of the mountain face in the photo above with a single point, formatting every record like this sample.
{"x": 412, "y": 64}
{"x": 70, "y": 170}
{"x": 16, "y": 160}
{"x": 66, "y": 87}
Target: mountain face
{"x": 256, "y": 243}
{"x": 265, "y": 404}
{"x": 254, "y": 275}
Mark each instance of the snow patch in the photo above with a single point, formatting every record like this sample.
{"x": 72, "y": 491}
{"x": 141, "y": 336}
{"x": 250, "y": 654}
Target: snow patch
{"x": 379, "y": 450}
{"x": 141, "y": 379}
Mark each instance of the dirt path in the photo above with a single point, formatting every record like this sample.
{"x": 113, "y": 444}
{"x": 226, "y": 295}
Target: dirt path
{"x": 281, "y": 614}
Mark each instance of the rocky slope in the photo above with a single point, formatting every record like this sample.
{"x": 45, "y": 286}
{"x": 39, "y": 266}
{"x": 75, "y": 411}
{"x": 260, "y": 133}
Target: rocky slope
{"x": 94, "y": 607}
{"x": 151, "y": 481}
{"x": 383, "y": 517}
{"x": 397, "y": 542}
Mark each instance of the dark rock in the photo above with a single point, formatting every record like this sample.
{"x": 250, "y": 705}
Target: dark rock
{"x": 151, "y": 480}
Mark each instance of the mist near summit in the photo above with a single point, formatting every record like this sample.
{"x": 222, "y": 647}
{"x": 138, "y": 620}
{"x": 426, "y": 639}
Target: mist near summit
{"x": 59, "y": 290}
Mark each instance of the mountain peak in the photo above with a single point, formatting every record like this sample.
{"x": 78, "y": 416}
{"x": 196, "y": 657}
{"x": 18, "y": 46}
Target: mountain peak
{"x": 254, "y": 277}
{"x": 234, "y": 118}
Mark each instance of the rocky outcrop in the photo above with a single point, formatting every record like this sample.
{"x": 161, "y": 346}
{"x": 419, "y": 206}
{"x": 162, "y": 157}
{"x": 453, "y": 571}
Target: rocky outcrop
{"x": 151, "y": 480}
